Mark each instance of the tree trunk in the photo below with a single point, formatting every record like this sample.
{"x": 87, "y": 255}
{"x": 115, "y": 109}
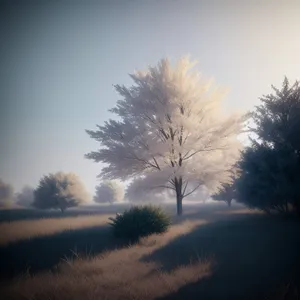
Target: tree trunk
{"x": 179, "y": 204}
{"x": 62, "y": 209}
{"x": 179, "y": 196}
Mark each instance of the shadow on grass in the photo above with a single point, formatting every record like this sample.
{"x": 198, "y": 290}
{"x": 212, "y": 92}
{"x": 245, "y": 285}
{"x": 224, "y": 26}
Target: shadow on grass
{"x": 253, "y": 254}
{"x": 44, "y": 253}
{"x": 11, "y": 215}
{"x": 209, "y": 212}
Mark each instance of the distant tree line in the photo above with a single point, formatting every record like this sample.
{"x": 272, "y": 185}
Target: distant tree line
{"x": 59, "y": 191}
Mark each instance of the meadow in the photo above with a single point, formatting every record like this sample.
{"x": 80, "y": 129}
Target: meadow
{"x": 211, "y": 252}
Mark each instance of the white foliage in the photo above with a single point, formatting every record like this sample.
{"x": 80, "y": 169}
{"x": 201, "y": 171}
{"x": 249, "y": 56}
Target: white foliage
{"x": 74, "y": 189}
{"x": 146, "y": 189}
{"x": 60, "y": 191}
{"x": 172, "y": 126}
{"x": 109, "y": 191}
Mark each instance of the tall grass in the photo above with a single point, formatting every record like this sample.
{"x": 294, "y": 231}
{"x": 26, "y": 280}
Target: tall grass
{"x": 20, "y": 230}
{"x": 117, "y": 274}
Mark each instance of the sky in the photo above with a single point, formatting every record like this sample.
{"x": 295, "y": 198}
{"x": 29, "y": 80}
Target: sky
{"x": 59, "y": 60}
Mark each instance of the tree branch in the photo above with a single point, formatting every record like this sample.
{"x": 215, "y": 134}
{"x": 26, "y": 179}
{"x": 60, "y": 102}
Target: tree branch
{"x": 186, "y": 184}
{"x": 165, "y": 186}
{"x": 185, "y": 157}
{"x": 156, "y": 163}
{"x": 144, "y": 161}
{"x": 192, "y": 191}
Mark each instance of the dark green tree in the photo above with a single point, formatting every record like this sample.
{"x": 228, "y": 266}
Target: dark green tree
{"x": 277, "y": 119}
{"x": 269, "y": 179}
{"x": 270, "y": 167}
{"x": 227, "y": 191}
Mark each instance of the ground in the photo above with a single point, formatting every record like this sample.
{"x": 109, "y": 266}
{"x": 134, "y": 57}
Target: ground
{"x": 212, "y": 252}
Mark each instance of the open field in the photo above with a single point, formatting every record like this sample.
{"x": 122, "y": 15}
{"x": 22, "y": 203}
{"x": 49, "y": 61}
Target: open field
{"x": 212, "y": 252}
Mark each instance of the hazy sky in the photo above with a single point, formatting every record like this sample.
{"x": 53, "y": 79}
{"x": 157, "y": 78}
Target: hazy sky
{"x": 59, "y": 60}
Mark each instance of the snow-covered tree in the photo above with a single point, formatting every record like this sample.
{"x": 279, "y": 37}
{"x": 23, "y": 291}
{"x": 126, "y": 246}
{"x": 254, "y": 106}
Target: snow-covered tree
{"x": 109, "y": 191}
{"x": 170, "y": 132}
{"x": 6, "y": 194}
{"x": 60, "y": 191}
{"x": 25, "y": 197}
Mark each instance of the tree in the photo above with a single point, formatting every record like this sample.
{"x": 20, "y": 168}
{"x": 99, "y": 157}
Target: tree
{"x": 6, "y": 194}
{"x": 225, "y": 193}
{"x": 109, "y": 191}
{"x": 171, "y": 132}
{"x": 25, "y": 197}
{"x": 270, "y": 168}
{"x": 59, "y": 191}
{"x": 277, "y": 119}
{"x": 136, "y": 194}
{"x": 270, "y": 178}
{"x": 227, "y": 190}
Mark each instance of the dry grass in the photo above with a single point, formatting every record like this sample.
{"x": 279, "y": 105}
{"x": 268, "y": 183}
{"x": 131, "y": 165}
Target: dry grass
{"x": 117, "y": 274}
{"x": 20, "y": 230}
{"x": 237, "y": 212}
{"x": 213, "y": 253}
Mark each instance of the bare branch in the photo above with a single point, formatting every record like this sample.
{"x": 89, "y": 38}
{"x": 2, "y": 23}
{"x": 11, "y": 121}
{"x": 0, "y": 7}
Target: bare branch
{"x": 185, "y": 157}
{"x": 193, "y": 190}
{"x": 165, "y": 186}
{"x": 184, "y": 189}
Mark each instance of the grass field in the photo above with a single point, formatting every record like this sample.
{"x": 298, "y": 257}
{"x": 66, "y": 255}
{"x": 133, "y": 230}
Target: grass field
{"x": 212, "y": 252}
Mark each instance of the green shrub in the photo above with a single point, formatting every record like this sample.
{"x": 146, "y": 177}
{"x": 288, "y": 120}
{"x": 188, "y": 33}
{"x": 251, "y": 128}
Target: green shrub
{"x": 140, "y": 221}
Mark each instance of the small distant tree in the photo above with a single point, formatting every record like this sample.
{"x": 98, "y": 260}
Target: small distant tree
{"x": 6, "y": 194}
{"x": 171, "y": 132}
{"x": 60, "y": 191}
{"x": 270, "y": 167}
{"x": 109, "y": 191}
{"x": 25, "y": 197}
{"x": 227, "y": 190}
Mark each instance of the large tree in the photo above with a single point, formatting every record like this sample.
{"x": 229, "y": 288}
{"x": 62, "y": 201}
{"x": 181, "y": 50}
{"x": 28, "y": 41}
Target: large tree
{"x": 270, "y": 167}
{"x": 170, "y": 132}
{"x": 60, "y": 191}
{"x": 277, "y": 118}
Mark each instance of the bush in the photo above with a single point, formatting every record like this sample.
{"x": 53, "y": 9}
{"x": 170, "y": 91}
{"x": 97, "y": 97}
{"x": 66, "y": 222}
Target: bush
{"x": 140, "y": 221}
